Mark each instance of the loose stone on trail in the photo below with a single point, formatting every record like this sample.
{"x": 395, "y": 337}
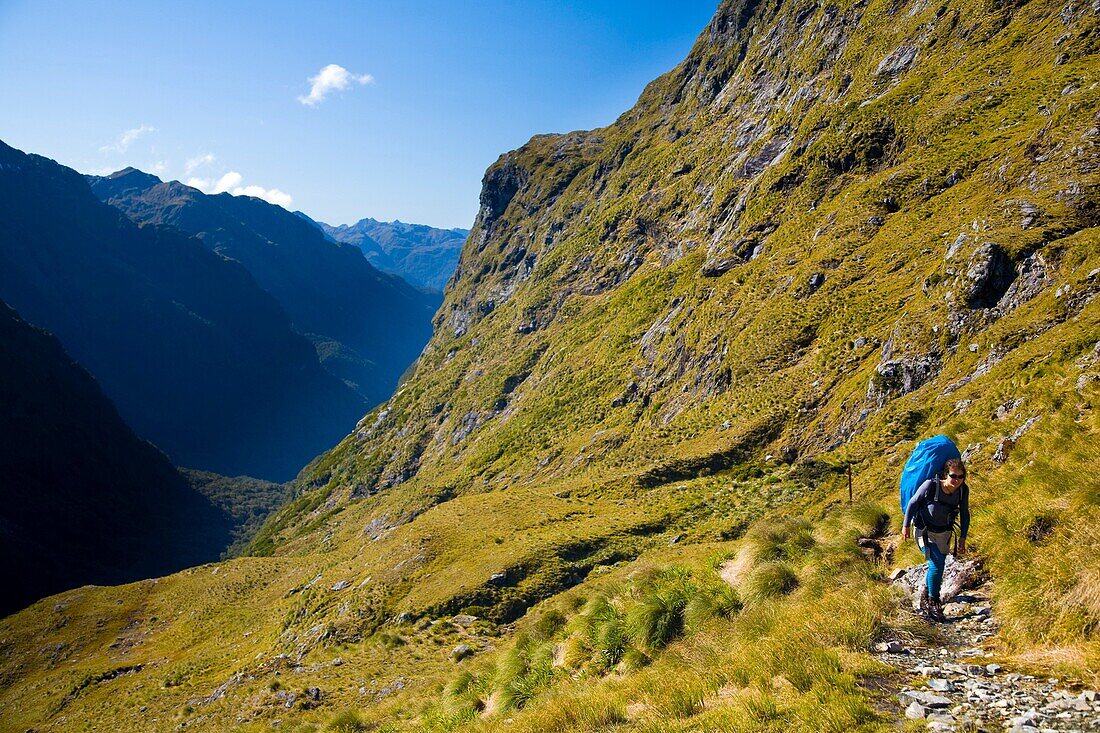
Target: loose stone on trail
{"x": 962, "y": 689}
{"x": 893, "y": 647}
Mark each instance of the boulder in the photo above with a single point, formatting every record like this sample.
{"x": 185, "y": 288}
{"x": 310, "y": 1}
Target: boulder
{"x": 958, "y": 575}
{"x": 925, "y": 699}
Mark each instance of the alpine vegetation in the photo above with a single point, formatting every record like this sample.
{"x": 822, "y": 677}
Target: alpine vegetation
{"x": 645, "y": 474}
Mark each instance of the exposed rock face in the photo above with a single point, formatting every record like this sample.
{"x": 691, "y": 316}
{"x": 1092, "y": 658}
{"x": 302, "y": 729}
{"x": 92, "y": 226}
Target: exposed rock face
{"x": 500, "y": 186}
{"x": 900, "y": 59}
{"x": 900, "y": 376}
{"x": 988, "y": 276}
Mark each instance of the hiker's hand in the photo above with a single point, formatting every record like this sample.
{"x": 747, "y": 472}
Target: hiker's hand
{"x": 905, "y": 533}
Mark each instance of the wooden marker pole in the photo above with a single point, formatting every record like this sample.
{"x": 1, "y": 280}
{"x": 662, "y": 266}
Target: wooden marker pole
{"x": 849, "y": 483}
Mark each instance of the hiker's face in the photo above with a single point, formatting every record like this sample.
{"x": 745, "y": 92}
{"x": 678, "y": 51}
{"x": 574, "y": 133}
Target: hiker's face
{"x": 955, "y": 479}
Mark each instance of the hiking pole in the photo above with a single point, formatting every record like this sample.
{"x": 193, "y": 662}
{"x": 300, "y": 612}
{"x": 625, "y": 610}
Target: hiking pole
{"x": 849, "y": 484}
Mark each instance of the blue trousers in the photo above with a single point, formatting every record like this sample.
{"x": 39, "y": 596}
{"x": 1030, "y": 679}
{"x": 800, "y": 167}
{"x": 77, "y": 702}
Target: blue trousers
{"x": 937, "y": 559}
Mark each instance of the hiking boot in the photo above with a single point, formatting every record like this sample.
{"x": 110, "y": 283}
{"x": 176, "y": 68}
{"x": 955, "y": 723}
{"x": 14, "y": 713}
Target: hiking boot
{"x": 924, "y": 608}
{"x": 935, "y": 611}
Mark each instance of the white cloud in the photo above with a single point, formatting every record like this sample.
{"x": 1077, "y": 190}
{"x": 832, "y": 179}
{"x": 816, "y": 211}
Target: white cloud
{"x": 221, "y": 185}
{"x": 159, "y": 167}
{"x": 126, "y": 138}
{"x": 227, "y": 182}
{"x": 197, "y": 162}
{"x": 332, "y": 78}
{"x": 231, "y": 183}
{"x": 270, "y": 195}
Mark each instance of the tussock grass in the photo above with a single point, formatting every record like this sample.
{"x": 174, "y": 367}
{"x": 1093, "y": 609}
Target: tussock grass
{"x": 522, "y": 671}
{"x": 348, "y": 721}
{"x": 769, "y": 579}
{"x": 657, "y": 617}
{"x": 789, "y": 661}
{"x": 783, "y": 540}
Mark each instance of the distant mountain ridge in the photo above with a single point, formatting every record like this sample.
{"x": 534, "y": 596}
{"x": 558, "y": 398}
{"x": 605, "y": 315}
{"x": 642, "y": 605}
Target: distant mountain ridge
{"x": 194, "y": 354}
{"x": 423, "y": 255}
{"x": 83, "y": 499}
{"x": 367, "y": 326}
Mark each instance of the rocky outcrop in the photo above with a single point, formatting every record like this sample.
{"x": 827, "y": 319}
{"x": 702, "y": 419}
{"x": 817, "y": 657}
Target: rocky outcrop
{"x": 987, "y": 277}
{"x": 899, "y": 376}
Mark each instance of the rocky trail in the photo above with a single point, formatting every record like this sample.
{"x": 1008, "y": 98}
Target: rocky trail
{"x": 954, "y": 684}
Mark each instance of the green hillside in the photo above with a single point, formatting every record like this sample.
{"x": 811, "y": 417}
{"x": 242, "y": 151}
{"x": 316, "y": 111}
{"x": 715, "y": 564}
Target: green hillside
{"x": 832, "y": 230}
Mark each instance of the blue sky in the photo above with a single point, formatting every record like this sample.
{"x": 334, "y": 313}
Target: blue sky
{"x": 219, "y": 92}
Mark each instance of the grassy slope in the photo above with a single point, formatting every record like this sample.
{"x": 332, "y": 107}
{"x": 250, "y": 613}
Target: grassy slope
{"x": 548, "y": 486}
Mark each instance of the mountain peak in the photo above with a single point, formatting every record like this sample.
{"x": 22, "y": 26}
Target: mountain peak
{"x": 127, "y": 180}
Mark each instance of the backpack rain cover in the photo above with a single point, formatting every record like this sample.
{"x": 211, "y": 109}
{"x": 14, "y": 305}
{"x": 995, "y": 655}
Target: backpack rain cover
{"x": 924, "y": 462}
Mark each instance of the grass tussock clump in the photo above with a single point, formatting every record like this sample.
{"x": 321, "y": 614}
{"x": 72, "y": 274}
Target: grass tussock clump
{"x": 783, "y": 540}
{"x": 624, "y": 630}
{"x": 768, "y": 580}
{"x": 348, "y": 721}
{"x": 621, "y": 629}
{"x": 522, "y": 671}
{"x": 791, "y": 662}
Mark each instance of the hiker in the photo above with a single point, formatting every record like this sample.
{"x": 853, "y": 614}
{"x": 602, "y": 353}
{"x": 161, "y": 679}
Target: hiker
{"x": 933, "y": 509}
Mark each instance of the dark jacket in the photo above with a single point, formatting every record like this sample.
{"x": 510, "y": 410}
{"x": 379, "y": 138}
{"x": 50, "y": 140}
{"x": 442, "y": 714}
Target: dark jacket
{"x": 935, "y": 507}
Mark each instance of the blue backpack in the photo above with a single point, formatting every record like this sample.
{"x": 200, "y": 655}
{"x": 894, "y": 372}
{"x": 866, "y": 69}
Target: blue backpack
{"x": 925, "y": 462}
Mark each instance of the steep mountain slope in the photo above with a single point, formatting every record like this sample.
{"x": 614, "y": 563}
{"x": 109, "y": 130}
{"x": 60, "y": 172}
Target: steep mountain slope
{"x": 367, "y": 326}
{"x": 770, "y": 249}
{"x": 83, "y": 500}
{"x": 834, "y": 228}
{"x": 423, "y": 255}
{"x": 197, "y": 358}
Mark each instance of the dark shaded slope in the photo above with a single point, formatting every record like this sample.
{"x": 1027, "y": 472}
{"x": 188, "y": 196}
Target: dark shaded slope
{"x": 423, "y": 255}
{"x": 195, "y": 356}
{"x": 83, "y": 499}
{"x": 248, "y": 501}
{"x": 367, "y": 326}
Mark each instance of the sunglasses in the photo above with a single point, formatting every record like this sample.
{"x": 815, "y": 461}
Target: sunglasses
{"x": 959, "y": 476}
